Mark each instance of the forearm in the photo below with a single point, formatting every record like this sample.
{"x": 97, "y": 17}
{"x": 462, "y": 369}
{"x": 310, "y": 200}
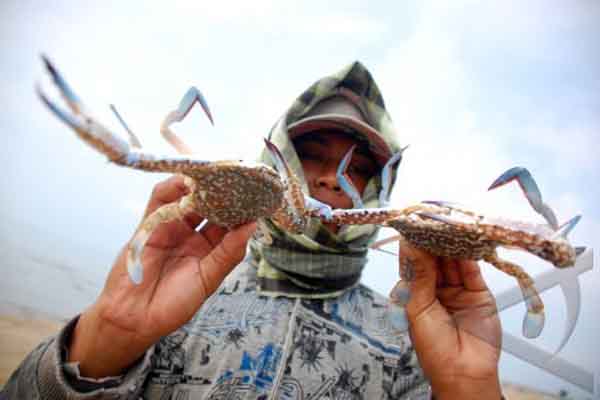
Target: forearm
{"x": 44, "y": 375}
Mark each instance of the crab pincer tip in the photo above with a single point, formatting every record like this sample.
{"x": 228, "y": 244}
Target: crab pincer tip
{"x": 508, "y": 176}
{"x": 46, "y": 61}
{"x": 533, "y": 323}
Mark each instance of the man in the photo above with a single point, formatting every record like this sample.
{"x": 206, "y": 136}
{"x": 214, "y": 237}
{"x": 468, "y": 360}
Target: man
{"x": 291, "y": 320}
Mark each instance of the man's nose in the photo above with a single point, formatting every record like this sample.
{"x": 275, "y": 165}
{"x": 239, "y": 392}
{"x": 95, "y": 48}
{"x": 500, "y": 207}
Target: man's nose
{"x": 328, "y": 178}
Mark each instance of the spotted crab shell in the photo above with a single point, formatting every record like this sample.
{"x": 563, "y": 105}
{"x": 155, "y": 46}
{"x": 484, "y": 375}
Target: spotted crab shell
{"x": 233, "y": 193}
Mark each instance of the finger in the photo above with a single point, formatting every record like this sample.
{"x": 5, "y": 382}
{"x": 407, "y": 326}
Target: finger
{"x": 166, "y": 192}
{"x": 450, "y": 272}
{"x": 424, "y": 275}
{"x": 471, "y": 275}
{"x": 230, "y": 251}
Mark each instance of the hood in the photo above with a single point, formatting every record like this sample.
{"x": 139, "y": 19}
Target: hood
{"x": 319, "y": 263}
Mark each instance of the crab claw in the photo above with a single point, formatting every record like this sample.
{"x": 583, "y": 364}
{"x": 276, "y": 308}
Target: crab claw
{"x": 68, "y": 94}
{"x": 386, "y": 177}
{"x": 531, "y": 191}
{"x": 59, "y": 112}
{"x": 177, "y": 115}
{"x": 566, "y": 228}
{"x": 346, "y": 182}
{"x": 185, "y": 105}
{"x": 93, "y": 134}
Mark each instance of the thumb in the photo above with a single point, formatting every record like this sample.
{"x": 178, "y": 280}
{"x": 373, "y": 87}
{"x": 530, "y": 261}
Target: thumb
{"x": 419, "y": 268}
{"x": 224, "y": 257}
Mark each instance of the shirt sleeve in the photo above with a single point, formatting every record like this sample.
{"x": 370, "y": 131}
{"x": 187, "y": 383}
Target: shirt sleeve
{"x": 45, "y": 375}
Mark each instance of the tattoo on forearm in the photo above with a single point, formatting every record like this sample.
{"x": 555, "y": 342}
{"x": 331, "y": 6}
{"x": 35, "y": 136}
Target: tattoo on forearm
{"x": 407, "y": 268}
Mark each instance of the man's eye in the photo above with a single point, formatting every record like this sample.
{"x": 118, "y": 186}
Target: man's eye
{"x": 361, "y": 170}
{"x": 307, "y": 154}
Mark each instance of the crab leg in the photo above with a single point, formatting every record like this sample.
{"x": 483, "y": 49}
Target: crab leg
{"x": 192, "y": 96}
{"x": 169, "y": 212}
{"x": 533, "y": 322}
{"x": 531, "y": 191}
{"x": 100, "y": 138}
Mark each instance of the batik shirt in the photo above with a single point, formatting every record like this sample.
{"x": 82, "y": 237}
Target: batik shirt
{"x": 241, "y": 345}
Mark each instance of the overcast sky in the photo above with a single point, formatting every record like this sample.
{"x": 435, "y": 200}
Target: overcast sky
{"x": 474, "y": 88}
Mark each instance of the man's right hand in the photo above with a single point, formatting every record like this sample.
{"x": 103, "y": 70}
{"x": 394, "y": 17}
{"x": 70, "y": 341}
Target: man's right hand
{"x": 182, "y": 268}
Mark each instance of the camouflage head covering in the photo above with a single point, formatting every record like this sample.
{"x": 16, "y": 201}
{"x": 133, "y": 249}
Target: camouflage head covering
{"x": 318, "y": 263}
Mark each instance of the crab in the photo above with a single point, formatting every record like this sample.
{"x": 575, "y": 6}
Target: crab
{"x": 449, "y": 230}
{"x": 229, "y": 193}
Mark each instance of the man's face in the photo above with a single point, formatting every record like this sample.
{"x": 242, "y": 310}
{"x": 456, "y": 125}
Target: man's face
{"x": 321, "y": 154}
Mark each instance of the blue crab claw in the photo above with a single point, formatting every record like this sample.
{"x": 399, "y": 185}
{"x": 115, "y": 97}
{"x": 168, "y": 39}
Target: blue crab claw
{"x": 566, "y": 228}
{"x": 386, "y": 177}
{"x": 133, "y": 140}
{"x": 59, "y": 112}
{"x": 192, "y": 96}
{"x": 345, "y": 181}
{"x": 186, "y": 104}
{"x": 533, "y": 323}
{"x": 318, "y": 208}
{"x": 68, "y": 94}
{"x": 531, "y": 191}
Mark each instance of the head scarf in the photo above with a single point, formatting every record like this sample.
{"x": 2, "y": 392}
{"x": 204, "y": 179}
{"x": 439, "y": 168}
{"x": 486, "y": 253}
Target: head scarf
{"x": 318, "y": 263}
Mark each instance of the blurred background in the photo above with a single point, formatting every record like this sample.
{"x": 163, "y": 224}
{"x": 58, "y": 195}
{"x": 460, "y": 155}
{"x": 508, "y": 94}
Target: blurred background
{"x": 473, "y": 87}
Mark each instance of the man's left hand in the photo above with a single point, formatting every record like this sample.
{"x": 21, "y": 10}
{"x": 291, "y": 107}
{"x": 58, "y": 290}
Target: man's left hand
{"x": 454, "y": 325}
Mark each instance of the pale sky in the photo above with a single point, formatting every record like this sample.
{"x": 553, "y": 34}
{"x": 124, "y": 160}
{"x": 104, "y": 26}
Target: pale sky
{"x": 474, "y": 88}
